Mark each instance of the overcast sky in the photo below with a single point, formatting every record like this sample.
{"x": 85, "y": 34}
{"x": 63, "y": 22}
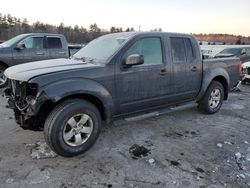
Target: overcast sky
{"x": 187, "y": 16}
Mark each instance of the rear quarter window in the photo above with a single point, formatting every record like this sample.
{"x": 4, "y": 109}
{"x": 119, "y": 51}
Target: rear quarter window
{"x": 54, "y": 42}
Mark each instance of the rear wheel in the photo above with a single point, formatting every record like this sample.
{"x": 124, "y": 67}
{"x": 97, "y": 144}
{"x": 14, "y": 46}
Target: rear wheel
{"x": 212, "y": 100}
{"x": 3, "y": 78}
{"x": 72, "y": 127}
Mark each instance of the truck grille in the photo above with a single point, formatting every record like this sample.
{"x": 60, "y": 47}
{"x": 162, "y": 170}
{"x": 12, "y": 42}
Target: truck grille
{"x": 20, "y": 91}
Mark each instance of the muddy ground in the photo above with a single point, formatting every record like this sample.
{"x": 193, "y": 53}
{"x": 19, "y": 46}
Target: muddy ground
{"x": 179, "y": 149}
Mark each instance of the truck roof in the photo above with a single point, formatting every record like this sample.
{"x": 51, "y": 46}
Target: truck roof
{"x": 152, "y": 32}
{"x": 132, "y": 34}
{"x": 42, "y": 34}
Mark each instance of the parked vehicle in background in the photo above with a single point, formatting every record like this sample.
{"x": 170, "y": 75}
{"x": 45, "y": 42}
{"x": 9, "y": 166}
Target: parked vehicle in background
{"x": 245, "y": 72}
{"x": 32, "y": 47}
{"x": 243, "y": 53}
{"x": 207, "y": 54}
{"x": 73, "y": 48}
{"x": 113, "y": 76}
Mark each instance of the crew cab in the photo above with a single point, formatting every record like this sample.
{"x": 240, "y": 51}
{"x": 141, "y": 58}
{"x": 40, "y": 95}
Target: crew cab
{"x": 32, "y": 47}
{"x": 115, "y": 76}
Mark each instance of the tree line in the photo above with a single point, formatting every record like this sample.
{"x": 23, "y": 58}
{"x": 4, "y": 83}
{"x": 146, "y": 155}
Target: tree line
{"x": 212, "y": 39}
{"x": 11, "y": 26}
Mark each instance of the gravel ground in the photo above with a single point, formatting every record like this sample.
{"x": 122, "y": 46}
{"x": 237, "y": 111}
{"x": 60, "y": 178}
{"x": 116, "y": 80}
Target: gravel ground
{"x": 179, "y": 149}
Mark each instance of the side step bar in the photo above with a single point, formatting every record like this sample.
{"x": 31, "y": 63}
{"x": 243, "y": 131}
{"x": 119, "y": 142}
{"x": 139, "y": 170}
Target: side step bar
{"x": 161, "y": 112}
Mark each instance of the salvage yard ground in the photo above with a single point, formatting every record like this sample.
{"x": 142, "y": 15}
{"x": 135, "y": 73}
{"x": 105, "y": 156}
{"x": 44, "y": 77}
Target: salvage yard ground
{"x": 179, "y": 149}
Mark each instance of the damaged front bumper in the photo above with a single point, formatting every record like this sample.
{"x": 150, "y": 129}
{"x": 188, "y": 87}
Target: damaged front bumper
{"x": 26, "y": 114}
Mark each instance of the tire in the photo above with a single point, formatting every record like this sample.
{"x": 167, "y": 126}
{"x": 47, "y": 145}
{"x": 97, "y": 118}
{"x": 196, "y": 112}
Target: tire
{"x": 210, "y": 103}
{"x": 63, "y": 120}
{"x": 3, "y": 79}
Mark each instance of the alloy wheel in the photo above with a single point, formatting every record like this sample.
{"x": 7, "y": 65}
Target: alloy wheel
{"x": 214, "y": 99}
{"x": 78, "y": 129}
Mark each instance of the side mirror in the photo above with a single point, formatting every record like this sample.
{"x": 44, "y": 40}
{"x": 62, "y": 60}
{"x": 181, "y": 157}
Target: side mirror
{"x": 20, "y": 46}
{"x": 134, "y": 59}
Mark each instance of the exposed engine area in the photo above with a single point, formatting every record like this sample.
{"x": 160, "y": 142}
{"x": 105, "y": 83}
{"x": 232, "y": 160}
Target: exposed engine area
{"x": 22, "y": 93}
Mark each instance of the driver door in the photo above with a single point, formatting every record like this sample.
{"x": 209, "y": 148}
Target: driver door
{"x": 142, "y": 86}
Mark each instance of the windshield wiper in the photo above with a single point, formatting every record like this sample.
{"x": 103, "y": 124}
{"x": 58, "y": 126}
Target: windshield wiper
{"x": 83, "y": 59}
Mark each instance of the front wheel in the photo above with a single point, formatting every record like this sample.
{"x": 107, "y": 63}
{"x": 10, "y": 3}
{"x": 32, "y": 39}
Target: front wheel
{"x": 212, "y": 100}
{"x": 72, "y": 127}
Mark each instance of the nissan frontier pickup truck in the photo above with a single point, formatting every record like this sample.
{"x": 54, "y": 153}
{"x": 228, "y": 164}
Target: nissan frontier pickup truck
{"x": 115, "y": 76}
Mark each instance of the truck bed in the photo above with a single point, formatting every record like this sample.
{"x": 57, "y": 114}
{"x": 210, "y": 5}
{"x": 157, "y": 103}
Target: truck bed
{"x": 231, "y": 65}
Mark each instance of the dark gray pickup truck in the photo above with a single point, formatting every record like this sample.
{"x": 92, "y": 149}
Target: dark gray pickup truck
{"x": 116, "y": 75}
{"x": 32, "y": 47}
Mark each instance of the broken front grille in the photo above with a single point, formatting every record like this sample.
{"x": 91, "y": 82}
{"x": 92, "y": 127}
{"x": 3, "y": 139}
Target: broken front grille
{"x": 20, "y": 91}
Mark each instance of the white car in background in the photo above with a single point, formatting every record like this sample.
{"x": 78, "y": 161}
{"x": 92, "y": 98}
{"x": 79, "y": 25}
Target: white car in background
{"x": 245, "y": 72}
{"x": 207, "y": 54}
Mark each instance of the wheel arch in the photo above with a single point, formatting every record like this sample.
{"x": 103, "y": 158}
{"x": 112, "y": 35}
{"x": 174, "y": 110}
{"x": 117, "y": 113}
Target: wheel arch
{"x": 90, "y": 98}
{"x": 88, "y": 90}
{"x": 224, "y": 83}
{"x": 219, "y": 75}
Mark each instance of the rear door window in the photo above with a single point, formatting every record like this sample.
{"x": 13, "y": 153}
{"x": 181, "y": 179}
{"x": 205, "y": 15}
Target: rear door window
{"x": 189, "y": 49}
{"x": 178, "y": 49}
{"x": 54, "y": 42}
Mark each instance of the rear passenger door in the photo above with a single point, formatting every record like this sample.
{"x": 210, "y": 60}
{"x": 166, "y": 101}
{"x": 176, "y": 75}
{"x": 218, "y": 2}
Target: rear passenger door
{"x": 186, "y": 68}
{"x": 56, "y": 48}
{"x": 194, "y": 68}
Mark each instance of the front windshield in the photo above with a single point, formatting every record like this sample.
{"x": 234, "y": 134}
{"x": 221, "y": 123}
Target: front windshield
{"x": 103, "y": 47}
{"x": 12, "y": 41}
{"x": 233, "y": 51}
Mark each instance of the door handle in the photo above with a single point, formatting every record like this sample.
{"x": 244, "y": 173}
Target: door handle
{"x": 163, "y": 72}
{"x": 194, "y": 68}
{"x": 62, "y": 53}
{"x": 40, "y": 53}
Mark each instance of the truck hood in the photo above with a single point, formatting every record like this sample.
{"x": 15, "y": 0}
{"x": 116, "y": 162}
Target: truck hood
{"x": 25, "y": 72}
